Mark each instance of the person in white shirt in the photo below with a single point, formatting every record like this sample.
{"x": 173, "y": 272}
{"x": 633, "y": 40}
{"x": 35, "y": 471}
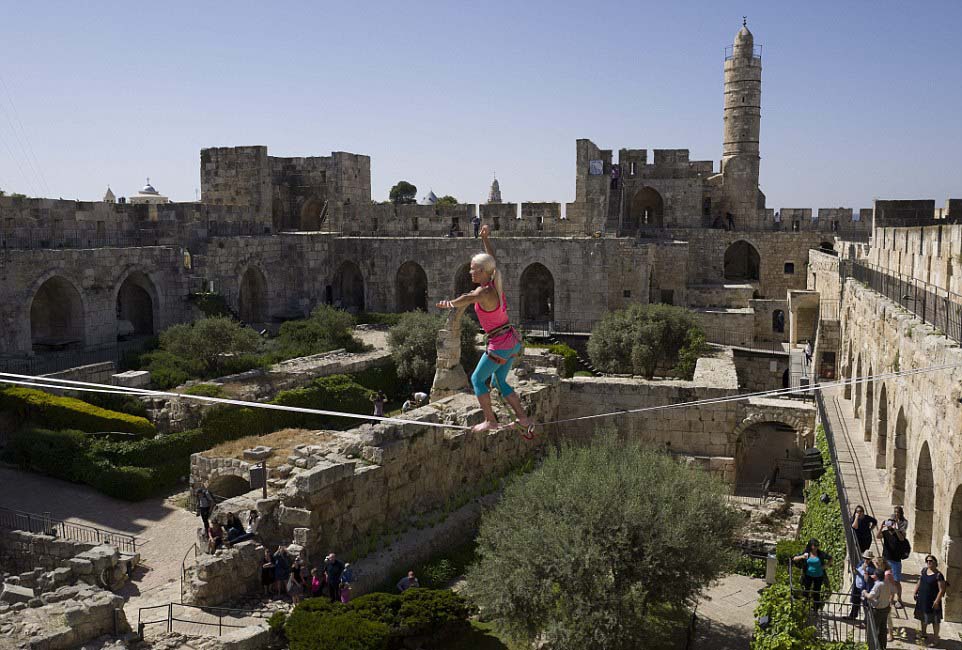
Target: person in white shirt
{"x": 880, "y": 603}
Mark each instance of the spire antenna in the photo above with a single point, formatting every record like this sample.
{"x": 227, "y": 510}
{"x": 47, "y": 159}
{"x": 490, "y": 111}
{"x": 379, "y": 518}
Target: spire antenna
{"x": 744, "y": 21}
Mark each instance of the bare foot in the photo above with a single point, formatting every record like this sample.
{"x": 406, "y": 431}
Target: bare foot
{"x": 523, "y": 423}
{"x": 487, "y": 425}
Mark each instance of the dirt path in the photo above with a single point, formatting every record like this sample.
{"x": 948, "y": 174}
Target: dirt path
{"x": 164, "y": 532}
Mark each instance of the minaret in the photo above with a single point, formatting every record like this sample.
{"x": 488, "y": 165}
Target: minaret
{"x": 494, "y": 196}
{"x": 743, "y": 100}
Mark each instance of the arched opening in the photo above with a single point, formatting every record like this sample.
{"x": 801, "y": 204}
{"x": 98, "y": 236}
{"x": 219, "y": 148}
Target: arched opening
{"x": 899, "y": 457}
{"x": 252, "y": 301}
{"x": 311, "y": 213}
{"x": 924, "y": 502}
{"x": 463, "y": 285}
{"x": 647, "y": 209}
{"x": 56, "y": 316}
{"x": 412, "y": 287}
{"x": 135, "y": 306}
{"x": 537, "y": 294}
{"x": 847, "y": 391}
{"x": 868, "y": 420}
{"x": 742, "y": 262}
{"x": 347, "y": 292}
{"x": 881, "y": 428}
{"x": 778, "y": 321}
{"x": 827, "y": 247}
{"x": 228, "y": 486}
{"x": 857, "y": 388}
{"x": 786, "y": 379}
{"x": 763, "y": 448}
{"x": 951, "y": 557}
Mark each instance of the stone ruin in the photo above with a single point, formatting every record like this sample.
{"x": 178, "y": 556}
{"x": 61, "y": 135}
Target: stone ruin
{"x": 449, "y": 375}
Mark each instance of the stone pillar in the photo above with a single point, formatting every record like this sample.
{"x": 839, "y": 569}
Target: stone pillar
{"x": 449, "y": 377}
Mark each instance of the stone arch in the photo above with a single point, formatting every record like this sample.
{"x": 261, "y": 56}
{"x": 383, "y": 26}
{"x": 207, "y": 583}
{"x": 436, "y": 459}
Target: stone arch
{"x": 311, "y": 212}
{"x": 778, "y": 321}
{"x": 868, "y": 421}
{"x": 463, "y": 285}
{"x": 847, "y": 391}
{"x": 742, "y": 262}
{"x": 951, "y": 559}
{"x": 412, "y": 287}
{"x": 137, "y": 304}
{"x": 253, "y": 299}
{"x": 924, "y": 501}
{"x": 537, "y": 294}
{"x": 827, "y": 247}
{"x": 857, "y": 387}
{"x": 647, "y": 209}
{"x": 228, "y": 483}
{"x": 759, "y": 448}
{"x": 57, "y": 315}
{"x": 881, "y": 428}
{"x": 347, "y": 291}
{"x": 899, "y": 453}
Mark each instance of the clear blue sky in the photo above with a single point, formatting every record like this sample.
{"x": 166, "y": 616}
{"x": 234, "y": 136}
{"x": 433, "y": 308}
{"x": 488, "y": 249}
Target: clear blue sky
{"x": 859, "y": 99}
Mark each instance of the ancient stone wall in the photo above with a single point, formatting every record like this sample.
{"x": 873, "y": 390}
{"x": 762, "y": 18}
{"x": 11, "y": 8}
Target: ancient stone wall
{"x": 931, "y": 254}
{"x": 760, "y": 371}
{"x": 770, "y": 326}
{"x": 910, "y": 422}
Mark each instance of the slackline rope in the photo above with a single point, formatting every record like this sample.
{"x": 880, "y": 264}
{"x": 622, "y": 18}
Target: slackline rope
{"x": 82, "y": 386}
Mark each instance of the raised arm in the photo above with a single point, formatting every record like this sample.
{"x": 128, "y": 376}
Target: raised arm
{"x": 486, "y": 239}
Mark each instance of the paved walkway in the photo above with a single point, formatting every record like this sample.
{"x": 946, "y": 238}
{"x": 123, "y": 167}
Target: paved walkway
{"x": 726, "y": 614}
{"x": 863, "y": 483}
{"x": 164, "y": 532}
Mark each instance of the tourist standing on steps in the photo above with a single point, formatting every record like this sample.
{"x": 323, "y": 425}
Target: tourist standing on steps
{"x": 267, "y": 572}
{"x": 333, "y": 568}
{"x": 928, "y": 598}
{"x": 504, "y": 342}
{"x": 813, "y": 577}
{"x": 205, "y": 503}
{"x": 862, "y": 525}
{"x": 880, "y": 604}
{"x": 862, "y": 580}
{"x": 895, "y": 547}
{"x": 282, "y": 570}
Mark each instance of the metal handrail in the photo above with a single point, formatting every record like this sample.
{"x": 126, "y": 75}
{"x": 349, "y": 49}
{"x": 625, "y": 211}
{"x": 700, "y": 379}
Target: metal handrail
{"x": 183, "y": 568}
{"x": 46, "y": 525}
{"x": 219, "y": 612}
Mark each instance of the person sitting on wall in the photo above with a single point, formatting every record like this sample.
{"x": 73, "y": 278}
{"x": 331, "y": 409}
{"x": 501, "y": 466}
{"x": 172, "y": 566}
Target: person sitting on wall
{"x": 215, "y": 536}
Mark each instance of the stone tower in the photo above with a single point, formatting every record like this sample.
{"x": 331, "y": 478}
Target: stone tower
{"x": 494, "y": 196}
{"x": 740, "y": 159}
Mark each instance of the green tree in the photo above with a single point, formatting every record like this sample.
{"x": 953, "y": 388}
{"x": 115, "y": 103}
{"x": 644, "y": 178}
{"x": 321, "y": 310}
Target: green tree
{"x": 413, "y": 344}
{"x": 594, "y": 548}
{"x": 447, "y": 199}
{"x": 641, "y": 339}
{"x": 325, "y": 329}
{"x": 403, "y": 192}
{"x": 209, "y": 343}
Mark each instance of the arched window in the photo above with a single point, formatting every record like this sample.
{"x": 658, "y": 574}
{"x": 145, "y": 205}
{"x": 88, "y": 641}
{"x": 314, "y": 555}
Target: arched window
{"x": 412, "y": 287}
{"x": 537, "y": 294}
{"x": 252, "y": 301}
{"x": 56, "y": 316}
{"x": 742, "y": 262}
{"x": 135, "y": 306}
{"x": 647, "y": 209}
{"x": 347, "y": 292}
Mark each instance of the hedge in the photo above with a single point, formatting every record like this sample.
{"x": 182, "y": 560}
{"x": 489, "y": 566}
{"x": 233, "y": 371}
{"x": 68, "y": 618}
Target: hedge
{"x": 788, "y": 627}
{"x": 375, "y": 621}
{"x": 40, "y": 409}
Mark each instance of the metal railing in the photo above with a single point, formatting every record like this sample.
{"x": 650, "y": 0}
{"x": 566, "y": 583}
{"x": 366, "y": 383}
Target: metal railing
{"x": 51, "y": 362}
{"x": 183, "y": 568}
{"x": 46, "y": 525}
{"x": 940, "y": 308}
{"x": 203, "y": 621}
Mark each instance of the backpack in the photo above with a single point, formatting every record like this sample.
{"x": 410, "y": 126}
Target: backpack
{"x": 905, "y": 548}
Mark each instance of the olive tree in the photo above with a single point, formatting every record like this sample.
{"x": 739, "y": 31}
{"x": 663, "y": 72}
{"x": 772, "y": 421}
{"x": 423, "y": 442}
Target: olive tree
{"x": 403, "y": 193}
{"x": 640, "y": 339}
{"x": 596, "y": 546}
{"x": 413, "y": 344}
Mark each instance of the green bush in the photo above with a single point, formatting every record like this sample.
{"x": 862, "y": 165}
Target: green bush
{"x": 379, "y": 606}
{"x": 116, "y": 402}
{"x": 205, "y": 390}
{"x": 55, "y": 453}
{"x": 413, "y": 343}
{"x": 210, "y": 304}
{"x": 426, "y": 611}
{"x": 325, "y": 329}
{"x": 152, "y": 452}
{"x": 342, "y": 630}
{"x": 209, "y": 347}
{"x": 40, "y": 409}
{"x": 168, "y": 370}
{"x": 642, "y": 339}
{"x": 566, "y": 352}
{"x": 383, "y": 377}
{"x": 376, "y": 318}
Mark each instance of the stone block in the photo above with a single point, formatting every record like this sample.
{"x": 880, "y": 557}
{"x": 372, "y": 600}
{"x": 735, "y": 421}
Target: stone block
{"x": 321, "y": 476}
{"x": 12, "y": 594}
{"x": 131, "y": 379}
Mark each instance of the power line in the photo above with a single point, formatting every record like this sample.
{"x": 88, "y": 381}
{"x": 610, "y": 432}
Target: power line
{"x": 33, "y": 164}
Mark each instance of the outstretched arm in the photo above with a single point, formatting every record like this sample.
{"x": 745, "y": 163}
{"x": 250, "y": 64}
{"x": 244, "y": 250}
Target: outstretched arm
{"x": 486, "y": 239}
{"x": 463, "y": 300}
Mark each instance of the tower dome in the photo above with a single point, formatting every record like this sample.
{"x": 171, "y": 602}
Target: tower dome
{"x": 494, "y": 195}
{"x": 149, "y": 189}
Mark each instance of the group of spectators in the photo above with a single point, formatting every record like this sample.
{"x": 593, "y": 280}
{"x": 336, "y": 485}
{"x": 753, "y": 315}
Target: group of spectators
{"x": 281, "y": 574}
{"x": 877, "y": 581}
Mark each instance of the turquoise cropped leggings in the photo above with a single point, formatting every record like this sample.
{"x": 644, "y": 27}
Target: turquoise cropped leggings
{"x": 489, "y": 368}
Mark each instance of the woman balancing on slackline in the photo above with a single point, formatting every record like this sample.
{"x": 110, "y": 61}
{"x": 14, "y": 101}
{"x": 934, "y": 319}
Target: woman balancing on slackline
{"x": 504, "y": 343}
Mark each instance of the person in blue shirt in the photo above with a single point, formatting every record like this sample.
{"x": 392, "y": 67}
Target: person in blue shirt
{"x": 813, "y": 577}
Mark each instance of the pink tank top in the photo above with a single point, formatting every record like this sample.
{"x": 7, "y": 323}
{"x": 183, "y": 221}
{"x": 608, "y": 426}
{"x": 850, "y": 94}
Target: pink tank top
{"x": 492, "y": 320}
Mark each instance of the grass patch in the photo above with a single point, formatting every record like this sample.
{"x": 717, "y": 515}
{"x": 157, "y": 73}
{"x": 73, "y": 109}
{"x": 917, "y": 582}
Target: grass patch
{"x": 282, "y": 442}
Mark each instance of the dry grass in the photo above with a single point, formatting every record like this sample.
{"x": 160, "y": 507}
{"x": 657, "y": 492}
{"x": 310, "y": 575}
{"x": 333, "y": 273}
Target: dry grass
{"x": 282, "y": 442}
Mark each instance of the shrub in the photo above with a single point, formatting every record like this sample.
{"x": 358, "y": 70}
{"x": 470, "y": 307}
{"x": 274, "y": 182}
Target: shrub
{"x": 205, "y": 390}
{"x": 168, "y": 370}
{"x": 413, "y": 344}
{"x": 115, "y": 402}
{"x": 376, "y": 318}
{"x": 208, "y": 347}
{"x": 325, "y": 329}
{"x": 554, "y": 528}
{"x": 210, "y": 304}
{"x": 379, "y": 606}
{"x": 49, "y": 411}
{"x": 643, "y": 338}
{"x": 566, "y": 352}
{"x": 55, "y": 453}
{"x": 344, "y": 631}
{"x": 424, "y": 611}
